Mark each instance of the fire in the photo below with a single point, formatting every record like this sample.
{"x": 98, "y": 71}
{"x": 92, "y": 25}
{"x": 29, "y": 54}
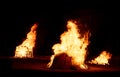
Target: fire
{"x": 73, "y": 44}
{"x": 102, "y": 59}
{"x": 26, "y": 48}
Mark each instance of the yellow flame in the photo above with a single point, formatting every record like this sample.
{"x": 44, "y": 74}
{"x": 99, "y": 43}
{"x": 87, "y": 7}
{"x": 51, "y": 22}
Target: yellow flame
{"x": 73, "y": 44}
{"x": 26, "y": 48}
{"x": 102, "y": 59}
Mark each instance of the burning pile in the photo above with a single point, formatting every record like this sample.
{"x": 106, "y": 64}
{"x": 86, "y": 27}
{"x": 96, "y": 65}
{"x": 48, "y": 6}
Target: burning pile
{"x": 26, "y": 48}
{"x": 102, "y": 59}
{"x": 73, "y": 44}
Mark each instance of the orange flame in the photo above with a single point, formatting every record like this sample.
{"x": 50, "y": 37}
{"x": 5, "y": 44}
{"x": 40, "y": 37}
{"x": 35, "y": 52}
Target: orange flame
{"x": 73, "y": 44}
{"x": 102, "y": 59}
{"x": 26, "y": 48}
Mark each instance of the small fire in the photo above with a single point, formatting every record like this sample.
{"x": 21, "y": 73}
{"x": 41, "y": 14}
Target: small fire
{"x": 26, "y": 48}
{"x": 102, "y": 59}
{"x": 73, "y": 44}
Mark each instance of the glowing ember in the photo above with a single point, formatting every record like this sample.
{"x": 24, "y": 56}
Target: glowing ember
{"x": 102, "y": 59}
{"x": 73, "y": 44}
{"x": 26, "y": 48}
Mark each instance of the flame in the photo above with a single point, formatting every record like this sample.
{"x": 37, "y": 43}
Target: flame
{"x": 26, "y": 48}
{"x": 73, "y": 44}
{"x": 102, "y": 59}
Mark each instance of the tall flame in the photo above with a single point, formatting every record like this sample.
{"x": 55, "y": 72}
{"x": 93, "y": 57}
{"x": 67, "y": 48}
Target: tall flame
{"x": 26, "y": 48}
{"x": 73, "y": 44}
{"x": 102, "y": 59}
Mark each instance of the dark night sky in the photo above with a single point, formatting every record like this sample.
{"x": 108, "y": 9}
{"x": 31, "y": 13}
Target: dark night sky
{"x": 16, "y": 23}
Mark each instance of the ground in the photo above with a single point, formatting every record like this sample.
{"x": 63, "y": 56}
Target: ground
{"x": 37, "y": 67}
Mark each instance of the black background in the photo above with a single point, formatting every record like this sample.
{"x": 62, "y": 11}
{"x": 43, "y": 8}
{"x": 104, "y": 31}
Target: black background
{"x": 16, "y": 19}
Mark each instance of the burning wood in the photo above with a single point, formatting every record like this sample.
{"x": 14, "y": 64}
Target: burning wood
{"x": 62, "y": 61}
{"x": 26, "y": 48}
{"x": 73, "y": 44}
{"x": 102, "y": 59}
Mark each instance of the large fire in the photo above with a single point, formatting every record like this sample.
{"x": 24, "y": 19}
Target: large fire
{"x": 26, "y": 48}
{"x": 102, "y": 59}
{"x": 73, "y": 44}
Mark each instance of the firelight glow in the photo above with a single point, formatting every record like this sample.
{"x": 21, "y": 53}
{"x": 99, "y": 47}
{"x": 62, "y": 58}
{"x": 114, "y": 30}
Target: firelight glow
{"x": 26, "y": 48}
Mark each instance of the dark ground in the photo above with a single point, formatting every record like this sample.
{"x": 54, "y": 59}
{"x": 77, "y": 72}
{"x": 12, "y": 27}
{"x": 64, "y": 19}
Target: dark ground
{"x": 37, "y": 67}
